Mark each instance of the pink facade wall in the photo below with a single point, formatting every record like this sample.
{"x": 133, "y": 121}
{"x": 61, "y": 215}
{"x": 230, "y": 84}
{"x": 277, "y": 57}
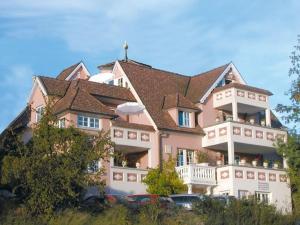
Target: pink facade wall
{"x": 208, "y": 115}
{"x": 82, "y": 74}
{"x": 140, "y": 119}
{"x": 181, "y": 141}
{"x": 37, "y": 100}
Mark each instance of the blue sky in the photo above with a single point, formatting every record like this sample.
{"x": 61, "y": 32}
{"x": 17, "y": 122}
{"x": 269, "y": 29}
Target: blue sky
{"x": 189, "y": 37}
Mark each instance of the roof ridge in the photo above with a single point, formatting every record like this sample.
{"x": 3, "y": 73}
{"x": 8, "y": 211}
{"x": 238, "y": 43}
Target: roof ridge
{"x": 71, "y": 103}
{"x": 200, "y": 74}
{"x": 151, "y": 67}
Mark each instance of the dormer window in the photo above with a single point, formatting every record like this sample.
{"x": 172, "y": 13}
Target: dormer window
{"x": 184, "y": 119}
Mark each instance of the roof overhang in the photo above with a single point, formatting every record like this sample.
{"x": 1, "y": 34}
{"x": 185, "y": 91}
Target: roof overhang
{"x": 234, "y": 70}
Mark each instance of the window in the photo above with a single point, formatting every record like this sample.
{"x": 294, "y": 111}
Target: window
{"x": 263, "y": 197}
{"x": 88, "y": 122}
{"x": 243, "y": 194}
{"x": 39, "y": 113}
{"x": 62, "y": 123}
{"x": 120, "y": 82}
{"x": 93, "y": 167}
{"x": 185, "y": 157}
{"x": 184, "y": 119}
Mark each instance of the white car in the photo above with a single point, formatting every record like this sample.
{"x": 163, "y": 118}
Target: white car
{"x": 186, "y": 200}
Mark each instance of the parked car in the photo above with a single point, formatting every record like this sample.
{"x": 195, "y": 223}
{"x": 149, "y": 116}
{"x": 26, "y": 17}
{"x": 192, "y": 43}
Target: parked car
{"x": 135, "y": 201}
{"x": 93, "y": 203}
{"x": 114, "y": 199}
{"x": 143, "y": 199}
{"x": 187, "y": 200}
{"x": 226, "y": 199}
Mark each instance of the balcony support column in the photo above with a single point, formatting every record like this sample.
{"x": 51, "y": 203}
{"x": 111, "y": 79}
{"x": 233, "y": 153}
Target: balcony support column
{"x": 268, "y": 117}
{"x": 230, "y": 145}
{"x": 234, "y": 109}
{"x": 190, "y": 188}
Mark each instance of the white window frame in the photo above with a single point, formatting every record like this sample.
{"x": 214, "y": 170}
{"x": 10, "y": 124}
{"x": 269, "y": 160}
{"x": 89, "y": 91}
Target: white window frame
{"x": 62, "y": 123}
{"x": 185, "y": 159}
{"x": 94, "y": 167}
{"x": 263, "y": 197}
{"x": 186, "y": 120}
{"x": 120, "y": 82}
{"x": 39, "y": 113}
{"x": 243, "y": 194}
{"x": 87, "y": 122}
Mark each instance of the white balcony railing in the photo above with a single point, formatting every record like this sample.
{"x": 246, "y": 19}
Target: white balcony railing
{"x": 127, "y": 180}
{"x": 131, "y": 137}
{"x": 250, "y": 98}
{"x": 242, "y": 133}
{"x": 197, "y": 174}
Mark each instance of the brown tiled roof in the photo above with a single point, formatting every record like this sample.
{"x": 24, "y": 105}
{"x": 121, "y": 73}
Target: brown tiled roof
{"x": 178, "y": 100}
{"x": 59, "y": 88}
{"x": 106, "y": 90}
{"x": 125, "y": 124}
{"x": 244, "y": 87}
{"x": 201, "y": 83}
{"x": 79, "y": 99}
{"x": 19, "y": 122}
{"x": 66, "y": 72}
{"x": 54, "y": 86}
{"x": 152, "y": 85}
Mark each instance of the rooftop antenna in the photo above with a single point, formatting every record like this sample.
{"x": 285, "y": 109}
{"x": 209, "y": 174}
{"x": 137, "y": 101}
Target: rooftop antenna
{"x": 125, "y": 46}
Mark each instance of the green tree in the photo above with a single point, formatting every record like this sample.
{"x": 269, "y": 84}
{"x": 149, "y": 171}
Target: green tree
{"x": 50, "y": 172}
{"x": 164, "y": 181}
{"x": 291, "y": 115}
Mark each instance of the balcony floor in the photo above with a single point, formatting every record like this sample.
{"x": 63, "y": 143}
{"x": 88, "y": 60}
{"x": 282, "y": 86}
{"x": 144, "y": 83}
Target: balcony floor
{"x": 244, "y": 148}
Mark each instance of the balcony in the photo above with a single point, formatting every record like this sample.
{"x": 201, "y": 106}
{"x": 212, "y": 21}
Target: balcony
{"x": 225, "y": 96}
{"x": 125, "y": 180}
{"x": 249, "y": 180}
{"x": 217, "y": 136}
{"x": 197, "y": 174}
{"x": 131, "y": 137}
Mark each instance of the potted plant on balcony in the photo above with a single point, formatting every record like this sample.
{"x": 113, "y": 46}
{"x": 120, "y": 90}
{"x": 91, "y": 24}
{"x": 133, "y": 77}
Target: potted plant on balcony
{"x": 254, "y": 162}
{"x": 124, "y": 162}
{"x": 217, "y": 119}
{"x": 202, "y": 158}
{"x": 243, "y": 162}
{"x": 263, "y": 123}
{"x": 266, "y": 163}
{"x": 252, "y": 120}
{"x": 138, "y": 164}
{"x": 276, "y": 164}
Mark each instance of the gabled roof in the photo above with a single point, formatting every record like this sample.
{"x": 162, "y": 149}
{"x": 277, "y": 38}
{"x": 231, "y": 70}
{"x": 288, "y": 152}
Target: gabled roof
{"x": 201, "y": 83}
{"x": 67, "y": 71}
{"x": 179, "y": 101}
{"x": 54, "y": 86}
{"x": 80, "y": 100}
{"x": 151, "y": 86}
{"x": 244, "y": 87}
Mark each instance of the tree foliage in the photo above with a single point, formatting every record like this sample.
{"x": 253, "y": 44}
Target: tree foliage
{"x": 164, "y": 181}
{"x": 291, "y": 115}
{"x": 50, "y": 171}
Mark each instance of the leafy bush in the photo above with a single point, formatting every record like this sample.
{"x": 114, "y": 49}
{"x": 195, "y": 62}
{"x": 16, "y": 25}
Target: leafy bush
{"x": 164, "y": 181}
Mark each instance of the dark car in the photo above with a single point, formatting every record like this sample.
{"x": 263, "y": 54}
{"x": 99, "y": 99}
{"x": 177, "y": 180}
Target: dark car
{"x": 93, "y": 203}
